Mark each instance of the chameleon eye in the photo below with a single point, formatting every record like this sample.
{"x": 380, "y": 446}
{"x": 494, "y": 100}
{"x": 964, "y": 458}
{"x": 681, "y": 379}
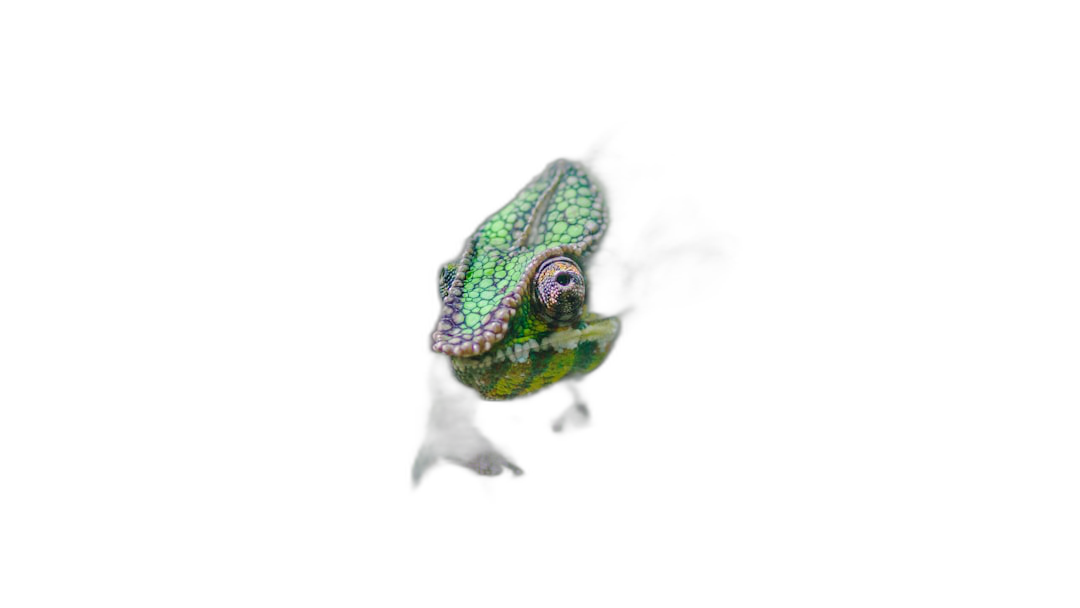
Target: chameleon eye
{"x": 446, "y": 277}
{"x": 559, "y": 290}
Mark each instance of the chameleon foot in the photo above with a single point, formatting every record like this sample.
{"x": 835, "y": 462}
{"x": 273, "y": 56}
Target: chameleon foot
{"x": 575, "y": 416}
{"x": 466, "y": 447}
{"x": 452, "y": 434}
{"x": 489, "y": 463}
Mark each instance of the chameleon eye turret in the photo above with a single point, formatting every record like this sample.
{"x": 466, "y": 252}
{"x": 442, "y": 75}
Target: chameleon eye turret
{"x": 559, "y": 291}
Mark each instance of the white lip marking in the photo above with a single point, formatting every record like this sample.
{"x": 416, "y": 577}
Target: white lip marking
{"x": 601, "y": 331}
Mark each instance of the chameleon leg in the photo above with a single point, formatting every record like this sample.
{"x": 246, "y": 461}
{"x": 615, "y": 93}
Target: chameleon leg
{"x": 575, "y": 416}
{"x": 452, "y": 435}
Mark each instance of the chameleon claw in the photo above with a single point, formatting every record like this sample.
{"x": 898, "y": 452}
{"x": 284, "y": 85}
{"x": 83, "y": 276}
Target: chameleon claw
{"x": 490, "y": 464}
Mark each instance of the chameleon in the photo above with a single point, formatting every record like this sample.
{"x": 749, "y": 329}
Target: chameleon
{"x": 514, "y": 315}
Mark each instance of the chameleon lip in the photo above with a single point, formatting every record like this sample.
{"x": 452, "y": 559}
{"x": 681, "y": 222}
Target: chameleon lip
{"x": 602, "y": 330}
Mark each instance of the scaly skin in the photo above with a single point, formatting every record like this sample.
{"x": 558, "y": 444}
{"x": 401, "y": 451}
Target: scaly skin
{"x": 514, "y": 316}
{"x": 495, "y": 330}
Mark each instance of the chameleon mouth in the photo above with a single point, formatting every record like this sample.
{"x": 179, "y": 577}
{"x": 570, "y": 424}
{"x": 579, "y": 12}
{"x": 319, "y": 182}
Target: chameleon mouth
{"x": 528, "y": 365}
{"x": 597, "y": 330}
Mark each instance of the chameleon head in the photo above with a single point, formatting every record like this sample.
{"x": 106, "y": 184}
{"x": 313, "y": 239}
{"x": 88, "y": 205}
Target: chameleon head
{"x": 515, "y": 317}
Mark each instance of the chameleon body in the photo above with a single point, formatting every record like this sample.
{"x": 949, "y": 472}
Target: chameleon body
{"x": 514, "y": 316}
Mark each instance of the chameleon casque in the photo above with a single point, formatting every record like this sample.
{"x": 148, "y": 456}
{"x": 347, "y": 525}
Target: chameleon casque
{"x": 514, "y": 317}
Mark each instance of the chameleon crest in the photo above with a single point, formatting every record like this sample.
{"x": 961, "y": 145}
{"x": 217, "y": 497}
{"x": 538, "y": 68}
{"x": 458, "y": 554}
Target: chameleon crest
{"x": 514, "y": 316}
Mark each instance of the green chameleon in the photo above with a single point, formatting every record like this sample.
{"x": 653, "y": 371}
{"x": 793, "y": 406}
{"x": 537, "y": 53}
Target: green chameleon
{"x": 514, "y": 316}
